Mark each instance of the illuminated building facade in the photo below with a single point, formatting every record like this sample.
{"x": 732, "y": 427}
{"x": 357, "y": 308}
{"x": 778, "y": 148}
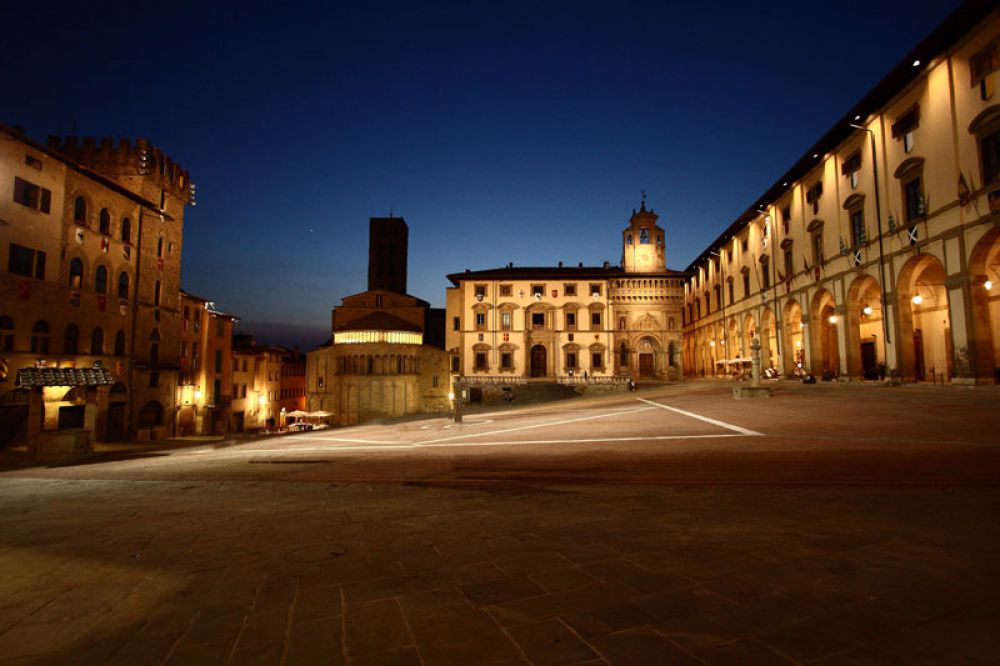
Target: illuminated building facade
{"x": 204, "y": 387}
{"x": 571, "y": 324}
{"x": 877, "y": 253}
{"x": 379, "y": 361}
{"x": 90, "y": 259}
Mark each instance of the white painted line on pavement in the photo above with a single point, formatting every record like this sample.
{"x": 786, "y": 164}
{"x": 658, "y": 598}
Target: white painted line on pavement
{"x": 548, "y": 424}
{"x": 721, "y": 424}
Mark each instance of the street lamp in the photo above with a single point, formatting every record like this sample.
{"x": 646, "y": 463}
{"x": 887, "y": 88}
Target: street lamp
{"x": 881, "y": 251}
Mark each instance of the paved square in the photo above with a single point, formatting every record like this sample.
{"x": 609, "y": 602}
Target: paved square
{"x": 829, "y": 524}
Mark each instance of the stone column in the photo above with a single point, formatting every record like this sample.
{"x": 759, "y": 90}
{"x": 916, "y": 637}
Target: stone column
{"x": 90, "y": 418}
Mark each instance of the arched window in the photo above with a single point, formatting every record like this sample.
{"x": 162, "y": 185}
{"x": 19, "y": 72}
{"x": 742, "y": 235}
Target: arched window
{"x": 120, "y": 343}
{"x": 105, "y": 222}
{"x": 126, "y": 231}
{"x": 71, "y": 341}
{"x": 101, "y": 280}
{"x": 40, "y": 337}
{"x": 6, "y": 334}
{"x": 156, "y": 295}
{"x": 75, "y": 273}
{"x": 123, "y": 285}
{"x": 80, "y": 211}
{"x": 97, "y": 342}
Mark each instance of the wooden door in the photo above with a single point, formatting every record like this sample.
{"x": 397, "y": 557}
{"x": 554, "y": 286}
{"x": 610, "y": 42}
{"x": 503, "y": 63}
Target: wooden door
{"x": 538, "y": 361}
{"x": 869, "y": 369}
{"x": 646, "y": 365}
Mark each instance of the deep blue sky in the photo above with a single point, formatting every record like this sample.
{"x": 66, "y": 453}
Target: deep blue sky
{"x": 501, "y": 131}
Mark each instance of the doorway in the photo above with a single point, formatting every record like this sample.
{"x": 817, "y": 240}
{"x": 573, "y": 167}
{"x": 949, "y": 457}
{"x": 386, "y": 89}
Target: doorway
{"x": 538, "y": 361}
{"x": 918, "y": 355}
{"x": 869, "y": 362}
{"x": 646, "y": 368}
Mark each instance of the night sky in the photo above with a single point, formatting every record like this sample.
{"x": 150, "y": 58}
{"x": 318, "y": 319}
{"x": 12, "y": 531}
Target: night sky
{"x": 501, "y": 131}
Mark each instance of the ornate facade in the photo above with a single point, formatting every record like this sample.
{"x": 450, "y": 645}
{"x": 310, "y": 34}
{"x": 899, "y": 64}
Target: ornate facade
{"x": 878, "y": 253}
{"x": 569, "y": 323}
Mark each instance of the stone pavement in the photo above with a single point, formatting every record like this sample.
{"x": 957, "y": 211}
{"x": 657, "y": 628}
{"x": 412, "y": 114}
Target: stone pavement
{"x": 274, "y": 559}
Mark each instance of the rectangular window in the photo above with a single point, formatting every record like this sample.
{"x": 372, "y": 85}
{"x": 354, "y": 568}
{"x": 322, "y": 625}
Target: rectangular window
{"x": 597, "y": 360}
{"x": 731, "y": 297}
{"x": 786, "y": 219}
{"x": 765, "y": 274}
{"x": 28, "y": 194}
{"x": 480, "y": 290}
{"x": 537, "y": 320}
{"x": 789, "y": 264}
{"x": 913, "y": 195}
{"x": 506, "y": 290}
{"x": 456, "y": 323}
{"x": 21, "y": 260}
{"x": 569, "y": 289}
{"x": 218, "y": 360}
{"x": 813, "y": 195}
{"x": 505, "y": 320}
{"x": 480, "y": 360}
{"x": 33, "y": 162}
{"x": 595, "y": 290}
{"x": 217, "y": 392}
{"x": 571, "y": 321}
{"x": 595, "y": 320}
{"x": 989, "y": 148}
{"x": 818, "y": 247}
{"x": 454, "y": 364}
{"x": 537, "y": 290}
{"x": 506, "y": 362}
{"x": 718, "y": 297}
{"x": 746, "y": 284}
{"x": 570, "y": 360}
{"x": 857, "y": 227}
{"x": 745, "y": 243}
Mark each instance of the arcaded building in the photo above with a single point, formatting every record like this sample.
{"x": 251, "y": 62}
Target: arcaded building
{"x": 379, "y": 361}
{"x": 90, "y": 261}
{"x": 571, "y": 323}
{"x": 877, "y": 254}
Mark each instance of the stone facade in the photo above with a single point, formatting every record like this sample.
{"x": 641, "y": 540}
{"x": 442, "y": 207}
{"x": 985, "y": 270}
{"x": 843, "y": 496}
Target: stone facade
{"x": 91, "y": 235}
{"x": 377, "y": 364}
{"x": 878, "y": 254}
{"x": 570, "y": 324}
{"x": 204, "y": 388}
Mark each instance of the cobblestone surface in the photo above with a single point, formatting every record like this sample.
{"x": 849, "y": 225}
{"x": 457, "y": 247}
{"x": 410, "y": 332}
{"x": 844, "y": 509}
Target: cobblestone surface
{"x": 793, "y": 547}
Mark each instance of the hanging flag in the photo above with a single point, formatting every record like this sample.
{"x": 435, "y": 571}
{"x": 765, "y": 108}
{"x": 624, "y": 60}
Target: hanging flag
{"x": 843, "y": 247}
{"x": 816, "y": 273}
{"x": 127, "y": 252}
{"x": 105, "y": 244}
{"x": 159, "y": 263}
{"x": 79, "y": 236}
{"x": 857, "y": 258}
{"x": 912, "y": 233}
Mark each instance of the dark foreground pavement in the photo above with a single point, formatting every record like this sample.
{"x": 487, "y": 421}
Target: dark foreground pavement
{"x": 838, "y": 525}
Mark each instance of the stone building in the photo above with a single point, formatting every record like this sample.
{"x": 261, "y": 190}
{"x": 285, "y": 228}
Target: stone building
{"x": 568, "y": 324}
{"x": 90, "y": 234}
{"x": 377, "y": 362}
{"x": 204, "y": 397}
{"x": 877, "y": 253}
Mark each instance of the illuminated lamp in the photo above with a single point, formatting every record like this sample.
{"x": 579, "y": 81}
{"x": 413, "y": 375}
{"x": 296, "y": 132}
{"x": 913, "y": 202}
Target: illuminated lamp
{"x": 918, "y": 299}
{"x": 833, "y": 319}
{"x": 867, "y": 310}
{"x": 988, "y": 284}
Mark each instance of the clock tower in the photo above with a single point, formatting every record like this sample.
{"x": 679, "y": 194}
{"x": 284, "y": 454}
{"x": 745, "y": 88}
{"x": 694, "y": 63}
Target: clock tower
{"x": 642, "y": 243}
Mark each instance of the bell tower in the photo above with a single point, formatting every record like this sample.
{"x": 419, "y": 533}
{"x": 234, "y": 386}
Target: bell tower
{"x": 643, "y": 249}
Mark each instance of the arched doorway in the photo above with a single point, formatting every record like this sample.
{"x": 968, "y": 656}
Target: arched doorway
{"x": 539, "y": 361}
{"x": 984, "y": 283}
{"x": 151, "y": 414}
{"x": 795, "y": 352}
{"x": 865, "y": 348}
{"x": 924, "y": 322}
{"x": 824, "y": 330}
{"x": 647, "y": 348}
